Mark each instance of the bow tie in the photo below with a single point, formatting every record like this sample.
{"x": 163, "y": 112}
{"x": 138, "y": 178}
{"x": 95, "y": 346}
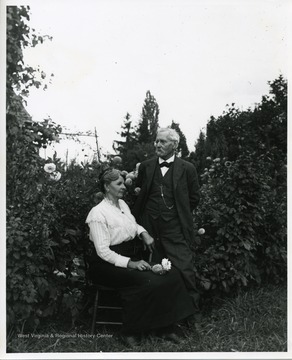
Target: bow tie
{"x": 165, "y": 164}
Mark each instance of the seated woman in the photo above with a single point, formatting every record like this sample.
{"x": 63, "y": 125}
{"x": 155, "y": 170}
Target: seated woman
{"x": 150, "y": 301}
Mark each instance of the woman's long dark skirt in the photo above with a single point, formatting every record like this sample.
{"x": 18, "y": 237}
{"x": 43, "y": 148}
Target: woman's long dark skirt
{"x": 150, "y": 301}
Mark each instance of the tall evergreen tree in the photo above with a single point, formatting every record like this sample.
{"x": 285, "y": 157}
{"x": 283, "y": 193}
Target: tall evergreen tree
{"x": 138, "y": 141}
{"x": 182, "y": 149}
{"x": 128, "y": 134}
{"x": 143, "y": 131}
{"x": 257, "y": 131}
{"x": 122, "y": 147}
{"x": 147, "y": 127}
{"x": 200, "y": 153}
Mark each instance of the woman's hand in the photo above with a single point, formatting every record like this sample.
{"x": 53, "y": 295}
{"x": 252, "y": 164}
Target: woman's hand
{"x": 148, "y": 240}
{"x": 139, "y": 265}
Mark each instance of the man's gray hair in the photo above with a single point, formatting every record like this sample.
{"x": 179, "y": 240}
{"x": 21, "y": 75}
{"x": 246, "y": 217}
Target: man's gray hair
{"x": 172, "y": 134}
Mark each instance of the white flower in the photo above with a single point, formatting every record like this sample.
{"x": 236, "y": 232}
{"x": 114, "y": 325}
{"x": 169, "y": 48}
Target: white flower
{"x": 158, "y": 269}
{"x": 49, "y": 168}
{"x": 201, "y": 231}
{"x": 131, "y": 175}
{"x": 137, "y": 190}
{"x": 163, "y": 268}
{"x": 56, "y": 176}
{"x": 166, "y": 264}
{"x": 59, "y": 273}
{"x": 128, "y": 182}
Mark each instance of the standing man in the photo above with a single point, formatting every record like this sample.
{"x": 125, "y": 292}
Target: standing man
{"x": 169, "y": 193}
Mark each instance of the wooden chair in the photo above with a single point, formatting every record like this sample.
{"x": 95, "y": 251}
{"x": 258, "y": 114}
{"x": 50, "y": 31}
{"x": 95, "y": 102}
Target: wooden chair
{"x": 100, "y": 305}
{"x": 102, "y": 293}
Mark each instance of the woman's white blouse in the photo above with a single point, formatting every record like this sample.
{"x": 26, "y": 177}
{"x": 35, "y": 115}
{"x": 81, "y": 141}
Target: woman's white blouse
{"x": 112, "y": 226}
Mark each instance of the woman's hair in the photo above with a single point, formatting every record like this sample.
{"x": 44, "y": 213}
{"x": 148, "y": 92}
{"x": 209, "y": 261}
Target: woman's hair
{"x": 107, "y": 176}
{"x": 172, "y": 133}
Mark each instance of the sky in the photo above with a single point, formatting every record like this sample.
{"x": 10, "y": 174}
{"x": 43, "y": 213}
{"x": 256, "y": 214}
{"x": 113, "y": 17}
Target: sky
{"x": 195, "y": 57}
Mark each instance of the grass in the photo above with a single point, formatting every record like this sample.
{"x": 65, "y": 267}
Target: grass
{"x": 253, "y": 321}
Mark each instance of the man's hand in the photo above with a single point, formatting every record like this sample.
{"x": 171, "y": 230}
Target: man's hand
{"x": 147, "y": 240}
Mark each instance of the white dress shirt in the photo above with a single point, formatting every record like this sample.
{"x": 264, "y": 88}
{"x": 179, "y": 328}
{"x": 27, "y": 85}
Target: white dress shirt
{"x": 164, "y": 169}
{"x": 112, "y": 226}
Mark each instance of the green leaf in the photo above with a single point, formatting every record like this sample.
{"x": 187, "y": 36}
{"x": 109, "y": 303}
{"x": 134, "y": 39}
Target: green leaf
{"x": 16, "y": 255}
{"x": 246, "y": 244}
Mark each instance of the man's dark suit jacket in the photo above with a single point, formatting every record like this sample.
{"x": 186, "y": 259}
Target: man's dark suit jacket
{"x": 185, "y": 190}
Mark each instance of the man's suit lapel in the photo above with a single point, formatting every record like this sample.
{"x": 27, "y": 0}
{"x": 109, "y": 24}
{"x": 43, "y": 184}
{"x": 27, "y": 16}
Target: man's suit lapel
{"x": 150, "y": 168}
{"x": 178, "y": 168}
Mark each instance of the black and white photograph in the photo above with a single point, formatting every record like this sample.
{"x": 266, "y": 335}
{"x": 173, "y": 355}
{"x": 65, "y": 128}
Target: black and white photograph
{"x": 144, "y": 170}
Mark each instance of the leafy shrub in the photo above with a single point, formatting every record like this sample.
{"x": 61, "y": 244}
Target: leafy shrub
{"x": 47, "y": 238}
{"x": 244, "y": 219}
{"x": 42, "y": 278}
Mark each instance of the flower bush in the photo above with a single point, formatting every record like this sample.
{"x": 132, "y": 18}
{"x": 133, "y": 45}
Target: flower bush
{"x": 46, "y": 238}
{"x": 244, "y": 215}
{"x": 240, "y": 226}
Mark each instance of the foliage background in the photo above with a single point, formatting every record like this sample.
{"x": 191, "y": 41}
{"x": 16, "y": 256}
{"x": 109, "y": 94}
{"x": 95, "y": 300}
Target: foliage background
{"x": 241, "y": 161}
